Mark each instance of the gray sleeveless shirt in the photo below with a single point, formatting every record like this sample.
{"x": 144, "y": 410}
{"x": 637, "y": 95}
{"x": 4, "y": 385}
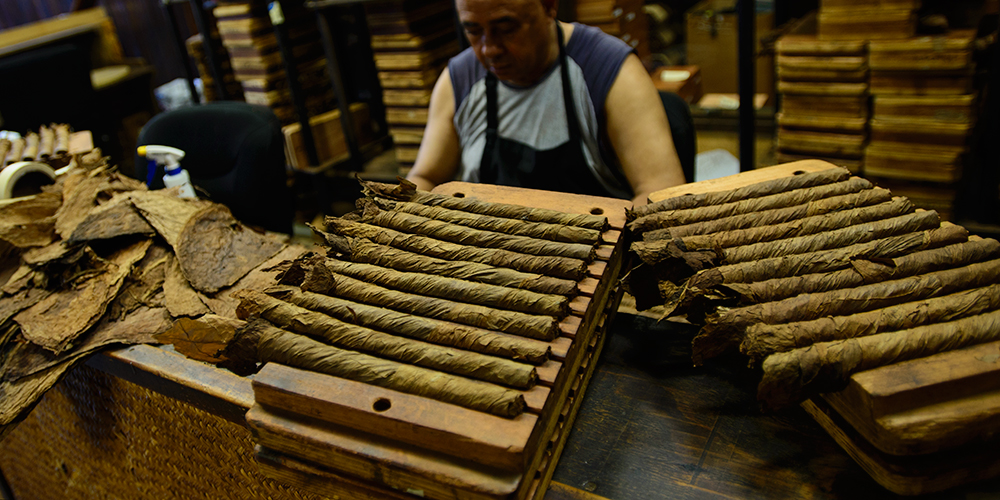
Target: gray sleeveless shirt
{"x": 536, "y": 115}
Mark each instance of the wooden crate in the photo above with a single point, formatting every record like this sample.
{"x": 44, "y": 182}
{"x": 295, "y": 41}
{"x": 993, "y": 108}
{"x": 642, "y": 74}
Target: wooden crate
{"x": 821, "y": 143}
{"x": 830, "y": 106}
{"x": 867, "y": 23}
{"x": 433, "y": 449}
{"x": 952, "y": 51}
{"x": 328, "y": 136}
{"x": 945, "y": 137}
{"x": 937, "y": 83}
{"x": 913, "y": 163}
{"x": 938, "y": 109}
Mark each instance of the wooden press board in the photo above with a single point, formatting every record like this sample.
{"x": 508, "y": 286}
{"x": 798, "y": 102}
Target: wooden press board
{"x": 389, "y": 440}
{"x": 916, "y": 427}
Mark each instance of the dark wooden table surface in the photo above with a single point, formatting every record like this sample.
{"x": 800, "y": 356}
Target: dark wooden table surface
{"x": 654, "y": 427}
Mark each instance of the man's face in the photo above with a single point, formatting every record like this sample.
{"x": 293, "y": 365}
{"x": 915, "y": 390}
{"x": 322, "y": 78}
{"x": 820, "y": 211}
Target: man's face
{"x": 510, "y": 38}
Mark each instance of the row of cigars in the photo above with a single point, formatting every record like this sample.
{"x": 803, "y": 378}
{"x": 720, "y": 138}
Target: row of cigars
{"x": 818, "y": 277}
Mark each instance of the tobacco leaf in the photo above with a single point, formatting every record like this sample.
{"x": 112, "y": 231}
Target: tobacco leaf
{"x": 224, "y": 304}
{"x": 140, "y": 327}
{"x": 144, "y": 286}
{"x": 115, "y": 218}
{"x": 180, "y": 298}
{"x": 215, "y": 251}
{"x": 79, "y": 198}
{"x": 166, "y": 212}
{"x": 202, "y": 338}
{"x": 30, "y": 221}
{"x": 56, "y": 321}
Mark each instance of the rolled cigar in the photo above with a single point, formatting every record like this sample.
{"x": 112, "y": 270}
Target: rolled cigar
{"x": 763, "y": 339}
{"x": 262, "y": 341}
{"x": 367, "y": 252}
{"x": 682, "y": 217}
{"x": 774, "y": 216}
{"x": 803, "y": 180}
{"x": 850, "y": 235}
{"x": 512, "y": 322}
{"x": 30, "y": 147}
{"x": 863, "y": 272}
{"x": 656, "y": 251}
{"x": 61, "y": 145}
{"x": 539, "y": 230}
{"x": 727, "y": 328}
{"x": 407, "y": 191}
{"x": 353, "y": 337}
{"x": 46, "y": 141}
{"x": 827, "y": 260}
{"x": 498, "y": 297}
{"x": 467, "y": 236}
{"x": 559, "y": 267}
{"x": 16, "y": 151}
{"x": 800, "y": 227}
{"x": 417, "y": 327}
{"x": 790, "y": 377}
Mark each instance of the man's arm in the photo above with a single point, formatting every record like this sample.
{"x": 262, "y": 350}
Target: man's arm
{"x": 639, "y": 132}
{"x": 439, "y": 152}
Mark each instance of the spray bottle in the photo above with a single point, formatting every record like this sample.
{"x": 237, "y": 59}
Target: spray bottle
{"x": 170, "y": 159}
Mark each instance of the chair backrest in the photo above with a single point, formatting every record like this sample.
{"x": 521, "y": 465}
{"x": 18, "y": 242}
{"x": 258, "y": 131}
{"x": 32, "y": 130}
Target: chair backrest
{"x": 682, "y": 130}
{"x": 235, "y": 152}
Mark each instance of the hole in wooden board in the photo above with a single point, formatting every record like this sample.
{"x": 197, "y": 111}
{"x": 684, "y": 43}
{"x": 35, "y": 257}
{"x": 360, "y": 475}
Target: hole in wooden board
{"x": 798, "y": 172}
{"x": 459, "y": 195}
{"x": 382, "y": 404}
{"x": 596, "y": 211}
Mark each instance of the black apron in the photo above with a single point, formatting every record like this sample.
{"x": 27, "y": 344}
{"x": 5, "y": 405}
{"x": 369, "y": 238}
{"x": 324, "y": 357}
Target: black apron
{"x": 512, "y": 163}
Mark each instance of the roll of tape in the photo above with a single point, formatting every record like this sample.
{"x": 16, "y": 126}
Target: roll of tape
{"x": 13, "y": 173}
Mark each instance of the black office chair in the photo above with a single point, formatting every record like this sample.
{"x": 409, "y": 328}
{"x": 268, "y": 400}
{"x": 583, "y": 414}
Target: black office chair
{"x": 682, "y": 130}
{"x": 234, "y": 151}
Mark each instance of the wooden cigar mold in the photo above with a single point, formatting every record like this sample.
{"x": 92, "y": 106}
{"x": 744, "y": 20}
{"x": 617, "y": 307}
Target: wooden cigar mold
{"x": 310, "y": 425}
{"x": 920, "y": 419}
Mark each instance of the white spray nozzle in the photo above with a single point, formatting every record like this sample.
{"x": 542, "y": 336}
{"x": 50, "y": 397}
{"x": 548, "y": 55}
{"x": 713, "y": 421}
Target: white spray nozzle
{"x": 163, "y": 155}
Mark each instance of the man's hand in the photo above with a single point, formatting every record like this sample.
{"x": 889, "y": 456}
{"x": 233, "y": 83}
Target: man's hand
{"x": 439, "y": 152}
{"x": 639, "y": 132}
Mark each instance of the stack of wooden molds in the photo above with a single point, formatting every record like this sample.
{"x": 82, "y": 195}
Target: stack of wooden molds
{"x": 624, "y": 19}
{"x": 867, "y": 19}
{"x": 412, "y": 42}
{"x": 463, "y": 330}
{"x": 824, "y": 104}
{"x": 248, "y": 35}
{"x": 196, "y": 49}
{"x": 923, "y": 113}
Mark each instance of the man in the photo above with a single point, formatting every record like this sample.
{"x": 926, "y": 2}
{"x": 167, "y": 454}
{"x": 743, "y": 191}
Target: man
{"x": 506, "y": 111}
